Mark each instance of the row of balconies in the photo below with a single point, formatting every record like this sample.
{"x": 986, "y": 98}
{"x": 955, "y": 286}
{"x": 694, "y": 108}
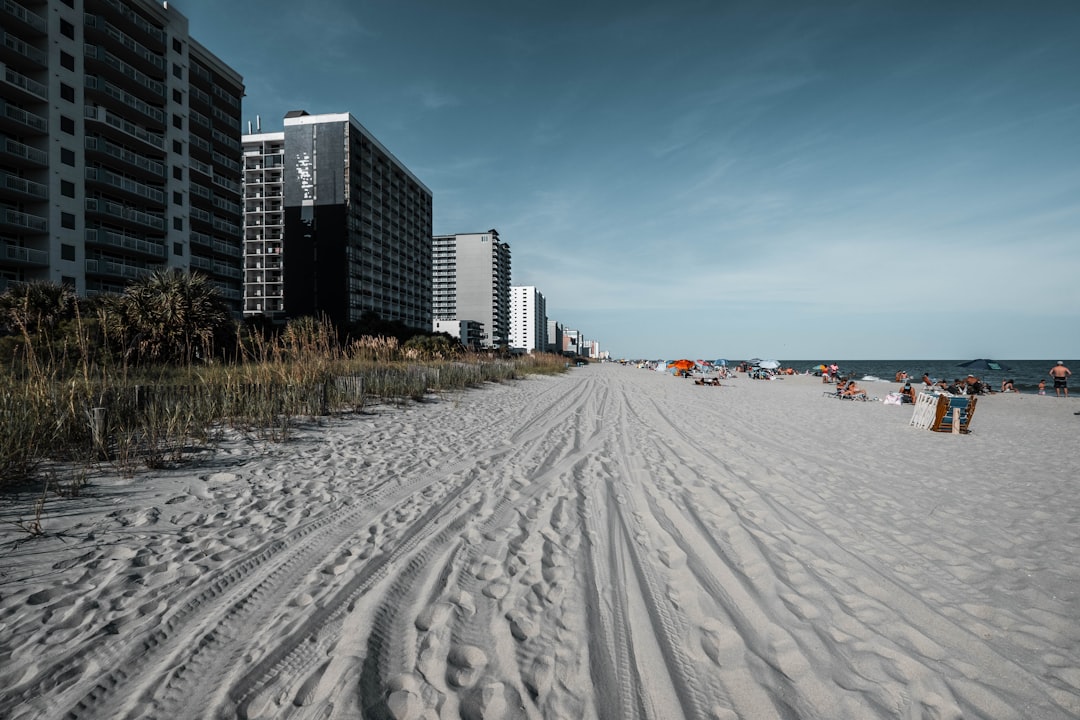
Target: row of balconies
{"x": 134, "y": 77}
{"x": 129, "y": 185}
{"x": 115, "y": 210}
{"x": 141, "y": 53}
{"x": 95, "y": 82}
{"x": 113, "y": 238}
{"x": 136, "y": 21}
{"x": 262, "y": 262}
{"x": 94, "y": 143}
{"x": 100, "y": 114}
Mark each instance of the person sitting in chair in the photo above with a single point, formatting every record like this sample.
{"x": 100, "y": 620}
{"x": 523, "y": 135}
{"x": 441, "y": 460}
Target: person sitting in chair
{"x": 908, "y": 393}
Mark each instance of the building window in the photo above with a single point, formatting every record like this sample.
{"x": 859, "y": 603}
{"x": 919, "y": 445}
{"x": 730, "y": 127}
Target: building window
{"x": 67, "y": 92}
{"x": 67, "y": 281}
{"x": 67, "y": 157}
{"x": 67, "y": 61}
{"x": 67, "y": 125}
{"x": 177, "y": 96}
{"x": 178, "y": 147}
{"x": 67, "y": 188}
{"x": 67, "y": 29}
{"x": 178, "y": 223}
{"x": 177, "y": 71}
{"x": 178, "y": 122}
{"x": 67, "y": 221}
{"x": 67, "y": 252}
{"x": 178, "y": 172}
{"x": 177, "y": 45}
{"x": 178, "y": 198}
{"x": 178, "y": 248}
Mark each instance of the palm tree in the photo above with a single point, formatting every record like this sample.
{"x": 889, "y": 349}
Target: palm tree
{"x": 168, "y": 316}
{"x": 35, "y": 306}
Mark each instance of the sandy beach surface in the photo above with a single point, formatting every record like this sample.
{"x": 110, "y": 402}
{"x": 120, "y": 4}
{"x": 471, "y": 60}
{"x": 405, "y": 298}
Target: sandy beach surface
{"x": 611, "y": 543}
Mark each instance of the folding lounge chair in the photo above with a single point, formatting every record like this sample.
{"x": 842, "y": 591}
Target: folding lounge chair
{"x": 943, "y": 417}
{"x": 925, "y": 410}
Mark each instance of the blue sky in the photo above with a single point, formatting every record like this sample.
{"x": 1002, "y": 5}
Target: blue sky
{"x": 782, "y": 179}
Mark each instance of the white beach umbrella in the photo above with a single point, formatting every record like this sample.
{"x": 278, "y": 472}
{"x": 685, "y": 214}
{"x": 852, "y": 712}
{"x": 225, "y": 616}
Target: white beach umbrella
{"x": 769, "y": 364}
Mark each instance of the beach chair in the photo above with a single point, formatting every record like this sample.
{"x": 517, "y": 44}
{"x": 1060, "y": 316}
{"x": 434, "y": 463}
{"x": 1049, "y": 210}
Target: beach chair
{"x": 943, "y": 415}
{"x": 925, "y": 410}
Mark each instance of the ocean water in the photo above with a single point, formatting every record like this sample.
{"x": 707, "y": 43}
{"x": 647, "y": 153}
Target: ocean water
{"x": 1024, "y": 373}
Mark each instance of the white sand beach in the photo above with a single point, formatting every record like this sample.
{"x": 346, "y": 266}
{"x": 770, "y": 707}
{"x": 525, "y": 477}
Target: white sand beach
{"x": 611, "y": 543}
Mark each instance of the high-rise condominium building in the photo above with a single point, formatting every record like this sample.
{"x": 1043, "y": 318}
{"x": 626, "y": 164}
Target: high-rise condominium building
{"x": 472, "y": 282}
{"x": 528, "y": 319}
{"x": 119, "y": 147}
{"x": 334, "y": 225}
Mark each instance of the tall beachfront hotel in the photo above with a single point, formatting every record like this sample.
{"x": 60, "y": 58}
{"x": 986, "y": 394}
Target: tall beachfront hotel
{"x": 119, "y": 147}
{"x": 471, "y": 274}
{"x": 528, "y": 319}
{"x": 334, "y": 225}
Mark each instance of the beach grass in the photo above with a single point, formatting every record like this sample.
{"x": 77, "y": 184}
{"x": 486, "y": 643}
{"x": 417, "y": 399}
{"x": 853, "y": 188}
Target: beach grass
{"x": 84, "y": 411}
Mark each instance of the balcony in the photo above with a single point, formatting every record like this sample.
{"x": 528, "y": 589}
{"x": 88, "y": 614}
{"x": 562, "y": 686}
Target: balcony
{"x": 15, "y": 118}
{"x": 23, "y": 256}
{"x": 18, "y": 49}
{"x": 28, "y": 19}
{"x": 22, "y": 221}
{"x": 23, "y": 87}
{"x": 21, "y": 186}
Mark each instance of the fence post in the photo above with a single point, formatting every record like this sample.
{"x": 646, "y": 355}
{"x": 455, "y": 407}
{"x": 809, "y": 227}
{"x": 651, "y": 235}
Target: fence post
{"x": 98, "y": 430}
{"x": 956, "y": 421}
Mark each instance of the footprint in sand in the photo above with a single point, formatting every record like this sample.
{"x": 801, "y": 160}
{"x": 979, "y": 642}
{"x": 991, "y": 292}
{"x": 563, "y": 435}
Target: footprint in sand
{"x": 465, "y": 663}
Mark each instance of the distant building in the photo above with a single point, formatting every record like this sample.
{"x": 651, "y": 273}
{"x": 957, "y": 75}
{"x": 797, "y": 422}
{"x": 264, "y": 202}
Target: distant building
{"x": 571, "y": 345}
{"x": 528, "y": 319}
{"x": 554, "y": 342}
{"x": 471, "y": 279}
{"x": 469, "y": 332}
{"x": 334, "y": 224}
{"x": 119, "y": 147}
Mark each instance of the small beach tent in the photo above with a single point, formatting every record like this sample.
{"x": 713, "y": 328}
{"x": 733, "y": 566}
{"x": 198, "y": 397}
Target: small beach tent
{"x": 983, "y": 364}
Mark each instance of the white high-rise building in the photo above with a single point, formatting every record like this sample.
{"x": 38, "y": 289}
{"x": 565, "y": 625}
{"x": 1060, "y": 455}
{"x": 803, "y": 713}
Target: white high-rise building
{"x": 528, "y": 319}
{"x": 119, "y": 147}
{"x": 471, "y": 281}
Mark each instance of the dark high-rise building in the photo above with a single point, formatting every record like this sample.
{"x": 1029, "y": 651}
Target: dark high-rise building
{"x": 334, "y": 225}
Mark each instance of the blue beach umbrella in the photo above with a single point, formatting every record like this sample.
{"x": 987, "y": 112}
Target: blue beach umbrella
{"x": 983, "y": 364}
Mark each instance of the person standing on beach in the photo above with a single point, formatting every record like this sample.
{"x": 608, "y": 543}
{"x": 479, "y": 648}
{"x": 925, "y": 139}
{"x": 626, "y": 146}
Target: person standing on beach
{"x": 1061, "y": 374}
